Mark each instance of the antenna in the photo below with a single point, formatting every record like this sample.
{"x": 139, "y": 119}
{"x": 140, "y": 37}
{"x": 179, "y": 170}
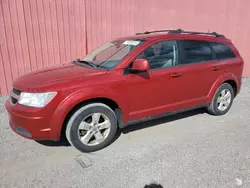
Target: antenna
{"x": 208, "y": 31}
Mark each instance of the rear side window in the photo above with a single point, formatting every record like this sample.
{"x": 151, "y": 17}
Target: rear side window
{"x": 195, "y": 51}
{"x": 222, "y": 51}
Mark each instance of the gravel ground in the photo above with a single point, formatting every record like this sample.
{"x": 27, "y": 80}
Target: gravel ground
{"x": 192, "y": 149}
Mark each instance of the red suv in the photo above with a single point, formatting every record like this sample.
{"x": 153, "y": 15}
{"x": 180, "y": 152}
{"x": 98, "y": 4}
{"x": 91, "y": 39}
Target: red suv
{"x": 123, "y": 82}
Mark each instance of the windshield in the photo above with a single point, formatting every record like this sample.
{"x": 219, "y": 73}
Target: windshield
{"x": 110, "y": 54}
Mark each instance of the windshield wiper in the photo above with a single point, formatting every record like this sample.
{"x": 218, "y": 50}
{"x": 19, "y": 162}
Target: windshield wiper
{"x": 85, "y": 62}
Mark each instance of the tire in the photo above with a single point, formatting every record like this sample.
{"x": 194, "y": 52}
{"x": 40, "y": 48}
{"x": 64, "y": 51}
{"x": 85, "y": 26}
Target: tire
{"x": 83, "y": 125}
{"x": 214, "y": 108}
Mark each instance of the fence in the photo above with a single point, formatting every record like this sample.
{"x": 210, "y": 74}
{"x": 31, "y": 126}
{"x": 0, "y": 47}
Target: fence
{"x": 40, "y": 33}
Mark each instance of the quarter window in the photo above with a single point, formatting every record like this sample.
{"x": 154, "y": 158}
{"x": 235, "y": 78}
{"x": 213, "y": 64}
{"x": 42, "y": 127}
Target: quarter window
{"x": 160, "y": 55}
{"x": 195, "y": 51}
{"x": 222, "y": 51}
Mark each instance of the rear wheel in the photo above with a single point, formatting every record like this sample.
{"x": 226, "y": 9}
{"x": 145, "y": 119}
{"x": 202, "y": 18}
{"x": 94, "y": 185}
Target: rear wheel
{"x": 92, "y": 127}
{"x": 222, "y": 100}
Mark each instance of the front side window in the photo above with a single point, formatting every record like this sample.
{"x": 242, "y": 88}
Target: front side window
{"x": 222, "y": 51}
{"x": 160, "y": 55}
{"x": 195, "y": 51}
{"x": 110, "y": 54}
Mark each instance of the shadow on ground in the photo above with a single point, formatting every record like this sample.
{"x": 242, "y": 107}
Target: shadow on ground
{"x": 150, "y": 123}
{"x": 50, "y": 143}
{"x": 135, "y": 127}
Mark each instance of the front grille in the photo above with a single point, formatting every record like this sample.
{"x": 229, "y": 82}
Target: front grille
{"x": 13, "y": 100}
{"x": 14, "y": 95}
{"x": 15, "y": 91}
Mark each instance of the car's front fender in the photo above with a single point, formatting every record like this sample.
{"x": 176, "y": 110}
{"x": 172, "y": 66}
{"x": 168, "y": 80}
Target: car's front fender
{"x": 78, "y": 97}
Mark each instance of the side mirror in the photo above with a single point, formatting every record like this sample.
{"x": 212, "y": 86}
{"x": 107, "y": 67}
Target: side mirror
{"x": 140, "y": 65}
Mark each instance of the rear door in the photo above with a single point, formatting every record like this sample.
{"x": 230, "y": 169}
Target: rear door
{"x": 199, "y": 70}
{"x": 224, "y": 58}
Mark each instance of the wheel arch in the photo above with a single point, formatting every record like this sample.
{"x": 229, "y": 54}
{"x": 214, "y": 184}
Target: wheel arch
{"x": 234, "y": 86}
{"x": 227, "y": 78}
{"x": 105, "y": 100}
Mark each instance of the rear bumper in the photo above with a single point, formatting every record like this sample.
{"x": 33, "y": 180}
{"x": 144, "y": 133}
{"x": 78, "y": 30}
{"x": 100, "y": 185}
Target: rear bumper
{"x": 31, "y": 123}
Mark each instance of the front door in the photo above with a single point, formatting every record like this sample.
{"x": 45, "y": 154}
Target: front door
{"x": 152, "y": 93}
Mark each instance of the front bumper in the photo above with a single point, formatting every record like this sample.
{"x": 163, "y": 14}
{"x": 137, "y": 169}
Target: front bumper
{"x": 32, "y": 123}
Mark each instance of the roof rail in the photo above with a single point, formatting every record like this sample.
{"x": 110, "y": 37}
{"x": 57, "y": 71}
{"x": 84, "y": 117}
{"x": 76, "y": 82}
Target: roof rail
{"x": 179, "y": 31}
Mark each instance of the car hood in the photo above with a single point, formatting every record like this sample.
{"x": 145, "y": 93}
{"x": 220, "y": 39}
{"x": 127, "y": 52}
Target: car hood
{"x": 57, "y": 74}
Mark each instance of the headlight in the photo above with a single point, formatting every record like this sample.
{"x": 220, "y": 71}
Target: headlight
{"x": 38, "y": 100}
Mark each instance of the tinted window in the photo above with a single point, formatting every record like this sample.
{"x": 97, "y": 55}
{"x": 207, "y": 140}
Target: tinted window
{"x": 222, "y": 51}
{"x": 196, "y": 51}
{"x": 161, "y": 55}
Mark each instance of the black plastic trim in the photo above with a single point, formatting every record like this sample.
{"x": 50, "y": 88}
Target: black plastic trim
{"x": 160, "y": 116}
{"x": 179, "y": 31}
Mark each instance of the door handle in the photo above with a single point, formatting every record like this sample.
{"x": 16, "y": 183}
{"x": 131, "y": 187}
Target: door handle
{"x": 215, "y": 68}
{"x": 175, "y": 75}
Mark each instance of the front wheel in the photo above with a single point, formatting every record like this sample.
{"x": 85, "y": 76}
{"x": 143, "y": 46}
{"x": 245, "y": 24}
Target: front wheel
{"x": 222, "y": 101}
{"x": 92, "y": 127}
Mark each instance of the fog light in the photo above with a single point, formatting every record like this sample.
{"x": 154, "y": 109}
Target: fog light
{"x": 22, "y": 131}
